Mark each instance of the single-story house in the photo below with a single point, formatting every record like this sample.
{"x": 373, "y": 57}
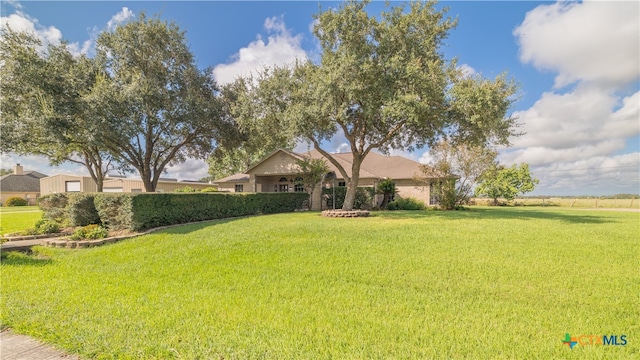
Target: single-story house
{"x": 25, "y": 184}
{"x": 278, "y": 171}
{"x": 74, "y": 183}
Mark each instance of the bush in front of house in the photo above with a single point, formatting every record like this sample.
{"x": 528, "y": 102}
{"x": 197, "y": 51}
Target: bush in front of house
{"x": 81, "y": 210}
{"x": 90, "y": 232}
{"x": 362, "y": 201}
{"x": 406, "y": 204}
{"x": 54, "y": 207}
{"x": 148, "y": 210}
{"x": 43, "y": 227}
{"x": 16, "y": 201}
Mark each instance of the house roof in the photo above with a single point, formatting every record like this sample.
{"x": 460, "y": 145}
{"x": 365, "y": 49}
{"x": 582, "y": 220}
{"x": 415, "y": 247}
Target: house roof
{"x": 375, "y": 166}
{"x": 29, "y": 181}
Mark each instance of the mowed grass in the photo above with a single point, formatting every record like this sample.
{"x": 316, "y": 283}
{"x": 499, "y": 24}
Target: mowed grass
{"x": 18, "y": 218}
{"x": 483, "y": 283}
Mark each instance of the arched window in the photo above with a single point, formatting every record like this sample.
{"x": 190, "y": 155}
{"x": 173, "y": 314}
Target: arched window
{"x": 283, "y": 179}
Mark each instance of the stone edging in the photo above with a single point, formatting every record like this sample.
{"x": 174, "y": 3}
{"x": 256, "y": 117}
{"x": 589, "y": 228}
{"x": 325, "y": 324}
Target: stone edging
{"x": 36, "y": 237}
{"x": 345, "y": 214}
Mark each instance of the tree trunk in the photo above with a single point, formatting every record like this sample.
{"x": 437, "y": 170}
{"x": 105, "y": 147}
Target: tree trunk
{"x": 352, "y": 186}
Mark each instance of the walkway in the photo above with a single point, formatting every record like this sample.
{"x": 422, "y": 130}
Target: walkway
{"x": 21, "y": 347}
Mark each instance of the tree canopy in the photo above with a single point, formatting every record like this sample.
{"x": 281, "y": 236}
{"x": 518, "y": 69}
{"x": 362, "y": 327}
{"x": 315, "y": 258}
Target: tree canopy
{"x": 383, "y": 83}
{"x": 507, "y": 183}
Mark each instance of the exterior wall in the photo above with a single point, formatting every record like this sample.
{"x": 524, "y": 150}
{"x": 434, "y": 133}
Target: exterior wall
{"x": 134, "y": 185}
{"x": 31, "y": 197}
{"x": 56, "y": 184}
{"x": 409, "y": 189}
{"x": 278, "y": 164}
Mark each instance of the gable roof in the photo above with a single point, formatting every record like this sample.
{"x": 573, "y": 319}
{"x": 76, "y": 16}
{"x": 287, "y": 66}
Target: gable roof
{"x": 375, "y": 166}
{"x": 29, "y": 181}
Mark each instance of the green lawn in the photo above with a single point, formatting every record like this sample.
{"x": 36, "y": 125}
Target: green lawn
{"x": 483, "y": 283}
{"x": 18, "y": 218}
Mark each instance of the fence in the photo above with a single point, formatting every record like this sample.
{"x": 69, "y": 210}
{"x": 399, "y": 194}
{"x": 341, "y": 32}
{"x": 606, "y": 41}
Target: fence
{"x": 593, "y": 202}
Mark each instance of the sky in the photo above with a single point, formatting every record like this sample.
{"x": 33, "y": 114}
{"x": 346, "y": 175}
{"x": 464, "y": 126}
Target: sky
{"x": 577, "y": 65}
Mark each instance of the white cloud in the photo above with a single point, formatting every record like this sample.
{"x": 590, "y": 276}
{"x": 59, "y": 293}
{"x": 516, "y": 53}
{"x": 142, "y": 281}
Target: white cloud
{"x": 342, "y": 148}
{"x": 22, "y": 22}
{"x": 467, "y": 70}
{"x": 192, "y": 169}
{"x": 117, "y": 19}
{"x": 592, "y": 41}
{"x": 281, "y": 48}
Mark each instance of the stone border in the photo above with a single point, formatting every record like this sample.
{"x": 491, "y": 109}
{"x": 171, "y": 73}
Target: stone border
{"x": 36, "y": 237}
{"x": 345, "y": 213}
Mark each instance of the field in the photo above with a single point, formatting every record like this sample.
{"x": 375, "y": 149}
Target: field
{"x": 482, "y": 283}
{"x": 574, "y": 202}
{"x": 18, "y": 218}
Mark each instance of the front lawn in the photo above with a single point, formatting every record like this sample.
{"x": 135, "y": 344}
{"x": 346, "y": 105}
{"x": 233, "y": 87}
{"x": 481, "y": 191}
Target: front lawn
{"x": 18, "y": 218}
{"x": 483, "y": 283}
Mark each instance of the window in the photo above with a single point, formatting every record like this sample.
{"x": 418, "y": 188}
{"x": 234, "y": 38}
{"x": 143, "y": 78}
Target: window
{"x": 342, "y": 183}
{"x": 283, "y": 188}
{"x": 298, "y": 188}
{"x": 72, "y": 186}
{"x": 283, "y": 179}
{"x": 239, "y": 188}
{"x": 136, "y": 190}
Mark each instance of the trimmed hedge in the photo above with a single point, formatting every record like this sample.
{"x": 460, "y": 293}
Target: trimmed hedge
{"x": 406, "y": 204}
{"x": 147, "y": 210}
{"x": 81, "y": 210}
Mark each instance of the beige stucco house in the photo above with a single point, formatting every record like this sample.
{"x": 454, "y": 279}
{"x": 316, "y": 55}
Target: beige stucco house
{"x": 73, "y": 183}
{"x": 24, "y": 184}
{"x": 278, "y": 172}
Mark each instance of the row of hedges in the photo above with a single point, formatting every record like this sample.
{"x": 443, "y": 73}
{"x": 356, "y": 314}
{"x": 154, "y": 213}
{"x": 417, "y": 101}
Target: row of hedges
{"x": 147, "y": 210}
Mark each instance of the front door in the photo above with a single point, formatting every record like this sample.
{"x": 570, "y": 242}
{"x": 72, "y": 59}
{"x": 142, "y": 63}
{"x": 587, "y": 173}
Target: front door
{"x": 283, "y": 188}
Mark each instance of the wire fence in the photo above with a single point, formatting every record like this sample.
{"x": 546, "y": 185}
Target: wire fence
{"x": 590, "y": 202}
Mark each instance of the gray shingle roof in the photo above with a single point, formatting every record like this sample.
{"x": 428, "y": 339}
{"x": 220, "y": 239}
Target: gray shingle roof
{"x": 29, "y": 181}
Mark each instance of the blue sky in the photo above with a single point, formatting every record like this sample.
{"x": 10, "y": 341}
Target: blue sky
{"x": 578, "y": 65}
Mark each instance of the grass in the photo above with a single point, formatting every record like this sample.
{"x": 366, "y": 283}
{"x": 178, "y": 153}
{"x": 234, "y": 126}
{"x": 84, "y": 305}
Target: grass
{"x": 18, "y": 218}
{"x": 483, "y": 283}
{"x": 572, "y": 202}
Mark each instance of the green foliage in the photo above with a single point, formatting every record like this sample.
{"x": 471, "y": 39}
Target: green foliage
{"x": 210, "y": 189}
{"x": 406, "y": 204}
{"x": 396, "y": 285}
{"x": 155, "y": 106}
{"x": 363, "y": 199}
{"x": 147, "y": 210}
{"x": 90, "y": 232}
{"x": 501, "y": 182}
{"x": 186, "y": 189}
{"x": 312, "y": 171}
{"x": 54, "y": 207}
{"x": 43, "y": 226}
{"x": 81, "y": 210}
{"x": 16, "y": 201}
{"x": 387, "y": 188}
{"x": 454, "y": 171}
{"x": 115, "y": 210}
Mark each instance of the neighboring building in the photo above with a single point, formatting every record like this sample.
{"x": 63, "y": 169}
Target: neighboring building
{"x": 25, "y": 184}
{"x": 277, "y": 173}
{"x": 74, "y": 183}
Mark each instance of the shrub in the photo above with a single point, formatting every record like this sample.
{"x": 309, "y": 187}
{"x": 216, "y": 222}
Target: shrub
{"x": 16, "y": 201}
{"x": 148, "y": 210}
{"x": 54, "y": 206}
{"x": 43, "y": 226}
{"x": 90, "y": 232}
{"x": 210, "y": 189}
{"x": 114, "y": 210}
{"x": 81, "y": 210}
{"x": 363, "y": 199}
{"x": 406, "y": 204}
{"x": 186, "y": 189}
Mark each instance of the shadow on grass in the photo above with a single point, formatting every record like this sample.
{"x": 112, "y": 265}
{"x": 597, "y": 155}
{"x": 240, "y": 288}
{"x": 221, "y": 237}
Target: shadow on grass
{"x": 179, "y": 229}
{"x": 18, "y": 258}
{"x": 498, "y": 213}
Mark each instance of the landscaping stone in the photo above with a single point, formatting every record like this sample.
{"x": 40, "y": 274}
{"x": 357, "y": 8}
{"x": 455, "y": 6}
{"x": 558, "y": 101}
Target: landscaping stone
{"x": 345, "y": 214}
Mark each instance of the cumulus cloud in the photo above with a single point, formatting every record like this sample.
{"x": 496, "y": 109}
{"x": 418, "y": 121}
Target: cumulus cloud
{"x": 117, "y": 19}
{"x": 574, "y": 138}
{"x": 280, "y": 48}
{"x": 191, "y": 169}
{"x": 467, "y": 70}
{"x": 593, "y": 41}
{"x": 22, "y": 22}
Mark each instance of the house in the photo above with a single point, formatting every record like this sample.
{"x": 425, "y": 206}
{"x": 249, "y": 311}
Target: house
{"x": 278, "y": 171}
{"x": 25, "y": 184}
{"x": 74, "y": 183}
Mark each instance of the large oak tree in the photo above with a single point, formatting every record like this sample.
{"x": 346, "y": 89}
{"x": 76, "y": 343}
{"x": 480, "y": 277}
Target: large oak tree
{"x": 383, "y": 83}
{"x": 158, "y": 108}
